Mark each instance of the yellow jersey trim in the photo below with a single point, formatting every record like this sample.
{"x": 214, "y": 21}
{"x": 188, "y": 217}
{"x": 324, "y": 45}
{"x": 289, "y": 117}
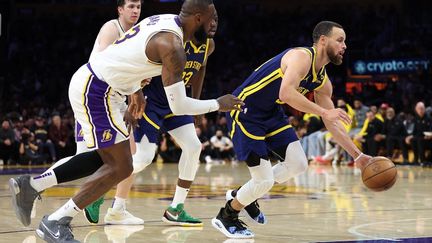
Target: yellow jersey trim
{"x": 150, "y": 121}
{"x": 206, "y": 51}
{"x": 278, "y": 131}
{"x": 169, "y": 116}
{"x": 91, "y": 144}
{"x": 248, "y": 91}
{"x": 111, "y": 118}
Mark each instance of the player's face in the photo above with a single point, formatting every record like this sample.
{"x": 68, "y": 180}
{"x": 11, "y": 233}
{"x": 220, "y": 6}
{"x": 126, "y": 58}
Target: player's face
{"x": 336, "y": 45}
{"x": 130, "y": 12}
{"x": 207, "y": 24}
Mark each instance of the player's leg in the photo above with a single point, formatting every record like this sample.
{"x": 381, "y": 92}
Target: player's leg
{"x": 186, "y": 137}
{"x": 117, "y": 214}
{"x": 97, "y": 108}
{"x": 251, "y": 148}
{"x": 31, "y": 186}
{"x": 144, "y": 149}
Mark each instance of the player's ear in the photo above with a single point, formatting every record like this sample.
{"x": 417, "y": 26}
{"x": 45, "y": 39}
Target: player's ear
{"x": 198, "y": 18}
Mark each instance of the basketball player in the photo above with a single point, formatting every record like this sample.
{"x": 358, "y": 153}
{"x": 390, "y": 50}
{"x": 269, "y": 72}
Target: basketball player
{"x": 158, "y": 116}
{"x": 97, "y": 91}
{"x": 129, "y": 12}
{"x": 262, "y": 126}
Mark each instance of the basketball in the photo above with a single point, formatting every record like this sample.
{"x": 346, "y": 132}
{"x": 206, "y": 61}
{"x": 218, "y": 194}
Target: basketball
{"x": 380, "y": 174}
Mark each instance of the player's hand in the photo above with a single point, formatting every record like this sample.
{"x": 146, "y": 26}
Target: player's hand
{"x": 334, "y": 115}
{"x": 145, "y": 82}
{"x": 137, "y": 104}
{"x": 362, "y": 161}
{"x": 131, "y": 122}
{"x": 230, "y": 102}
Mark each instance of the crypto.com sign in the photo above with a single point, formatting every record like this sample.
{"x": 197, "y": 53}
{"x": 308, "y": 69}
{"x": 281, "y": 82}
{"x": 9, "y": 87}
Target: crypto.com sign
{"x": 389, "y": 66}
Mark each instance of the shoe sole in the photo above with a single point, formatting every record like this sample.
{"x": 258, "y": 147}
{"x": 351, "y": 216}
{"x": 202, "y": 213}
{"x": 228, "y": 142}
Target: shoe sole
{"x": 219, "y": 226}
{"x": 108, "y": 222}
{"x": 243, "y": 212}
{"x": 183, "y": 224}
{"x": 87, "y": 217}
{"x": 40, "y": 233}
{"x": 14, "y": 190}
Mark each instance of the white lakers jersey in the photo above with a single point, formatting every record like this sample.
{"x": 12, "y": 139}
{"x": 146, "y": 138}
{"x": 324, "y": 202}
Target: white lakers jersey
{"x": 120, "y": 32}
{"x": 124, "y": 64}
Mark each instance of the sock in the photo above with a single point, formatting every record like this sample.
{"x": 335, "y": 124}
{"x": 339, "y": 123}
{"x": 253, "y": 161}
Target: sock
{"x": 179, "y": 196}
{"x": 119, "y": 204}
{"x": 70, "y": 209}
{"x": 44, "y": 180}
{"x": 229, "y": 211}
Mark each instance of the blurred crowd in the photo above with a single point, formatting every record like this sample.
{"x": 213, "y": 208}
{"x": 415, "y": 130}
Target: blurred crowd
{"x": 41, "y": 56}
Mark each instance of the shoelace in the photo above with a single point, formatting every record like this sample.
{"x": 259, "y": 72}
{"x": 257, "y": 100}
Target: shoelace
{"x": 68, "y": 227}
{"x": 239, "y": 223}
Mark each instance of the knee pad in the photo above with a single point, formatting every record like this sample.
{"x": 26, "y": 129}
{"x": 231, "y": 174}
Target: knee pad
{"x": 189, "y": 159}
{"x": 185, "y": 136}
{"x": 262, "y": 181}
{"x": 144, "y": 155}
{"x": 295, "y": 163}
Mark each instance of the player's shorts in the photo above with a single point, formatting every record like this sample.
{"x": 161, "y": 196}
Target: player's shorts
{"x": 158, "y": 118}
{"x": 97, "y": 109}
{"x": 260, "y": 136}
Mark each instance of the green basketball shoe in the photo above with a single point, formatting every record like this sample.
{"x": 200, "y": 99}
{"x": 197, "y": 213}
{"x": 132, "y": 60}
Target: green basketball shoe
{"x": 178, "y": 216}
{"x": 91, "y": 212}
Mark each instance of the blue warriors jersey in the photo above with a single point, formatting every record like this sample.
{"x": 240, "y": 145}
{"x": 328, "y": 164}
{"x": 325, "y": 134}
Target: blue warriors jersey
{"x": 157, "y": 114}
{"x": 262, "y": 126}
{"x": 195, "y": 57}
{"x": 260, "y": 91}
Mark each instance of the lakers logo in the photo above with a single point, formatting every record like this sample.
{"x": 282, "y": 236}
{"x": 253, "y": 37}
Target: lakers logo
{"x": 106, "y": 136}
{"x": 80, "y": 133}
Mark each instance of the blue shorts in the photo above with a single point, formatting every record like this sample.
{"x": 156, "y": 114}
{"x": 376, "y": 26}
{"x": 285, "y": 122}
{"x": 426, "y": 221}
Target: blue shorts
{"x": 260, "y": 135}
{"x": 158, "y": 118}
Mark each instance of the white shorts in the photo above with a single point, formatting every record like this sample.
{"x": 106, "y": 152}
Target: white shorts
{"x": 98, "y": 110}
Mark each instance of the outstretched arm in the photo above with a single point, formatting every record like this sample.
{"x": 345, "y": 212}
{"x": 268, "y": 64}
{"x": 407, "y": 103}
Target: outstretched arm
{"x": 295, "y": 66}
{"x": 323, "y": 99}
{"x": 168, "y": 48}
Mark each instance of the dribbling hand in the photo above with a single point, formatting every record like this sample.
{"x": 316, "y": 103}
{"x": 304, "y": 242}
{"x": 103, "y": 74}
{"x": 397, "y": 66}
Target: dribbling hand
{"x": 229, "y": 102}
{"x": 362, "y": 161}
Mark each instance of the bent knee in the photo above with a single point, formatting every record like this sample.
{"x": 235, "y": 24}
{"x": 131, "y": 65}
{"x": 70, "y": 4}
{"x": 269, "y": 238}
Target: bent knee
{"x": 263, "y": 186}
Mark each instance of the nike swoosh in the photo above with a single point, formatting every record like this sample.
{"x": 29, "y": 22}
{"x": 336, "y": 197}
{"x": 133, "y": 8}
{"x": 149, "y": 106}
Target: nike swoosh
{"x": 172, "y": 216}
{"x": 55, "y": 235}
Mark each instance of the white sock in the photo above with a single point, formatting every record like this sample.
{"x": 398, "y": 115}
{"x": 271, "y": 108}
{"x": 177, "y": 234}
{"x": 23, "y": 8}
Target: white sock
{"x": 45, "y": 180}
{"x": 70, "y": 209}
{"x": 119, "y": 204}
{"x": 179, "y": 196}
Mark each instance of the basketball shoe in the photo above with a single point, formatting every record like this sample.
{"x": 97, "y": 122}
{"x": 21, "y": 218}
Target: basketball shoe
{"x": 56, "y": 230}
{"x": 23, "y": 197}
{"x": 252, "y": 211}
{"x": 91, "y": 212}
{"x": 121, "y": 217}
{"x": 178, "y": 216}
{"x": 230, "y": 225}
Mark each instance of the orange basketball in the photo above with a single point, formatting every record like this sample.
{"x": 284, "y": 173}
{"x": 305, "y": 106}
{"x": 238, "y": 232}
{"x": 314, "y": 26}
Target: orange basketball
{"x": 380, "y": 174}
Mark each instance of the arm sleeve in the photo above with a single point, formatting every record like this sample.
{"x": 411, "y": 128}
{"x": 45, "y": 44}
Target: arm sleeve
{"x": 180, "y": 104}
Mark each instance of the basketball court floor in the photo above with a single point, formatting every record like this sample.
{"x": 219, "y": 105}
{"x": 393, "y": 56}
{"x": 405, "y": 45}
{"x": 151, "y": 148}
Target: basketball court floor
{"x": 326, "y": 204}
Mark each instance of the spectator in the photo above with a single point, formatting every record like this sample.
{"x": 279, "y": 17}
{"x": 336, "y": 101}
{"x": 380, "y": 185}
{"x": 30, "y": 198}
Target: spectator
{"x": 8, "y": 145}
{"x": 41, "y": 135}
{"x": 58, "y": 133}
{"x": 360, "y": 115}
{"x": 29, "y": 150}
{"x": 374, "y": 125}
{"x": 222, "y": 146}
{"x": 169, "y": 149}
{"x": 313, "y": 142}
{"x": 393, "y": 133}
{"x": 419, "y": 140}
{"x": 206, "y": 150}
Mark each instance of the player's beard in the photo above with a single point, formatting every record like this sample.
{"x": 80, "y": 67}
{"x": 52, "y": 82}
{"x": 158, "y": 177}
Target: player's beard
{"x": 334, "y": 58}
{"x": 200, "y": 35}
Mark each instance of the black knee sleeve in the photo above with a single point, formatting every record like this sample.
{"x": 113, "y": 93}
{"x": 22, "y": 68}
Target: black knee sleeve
{"x": 254, "y": 159}
{"x": 79, "y": 166}
{"x": 280, "y": 152}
